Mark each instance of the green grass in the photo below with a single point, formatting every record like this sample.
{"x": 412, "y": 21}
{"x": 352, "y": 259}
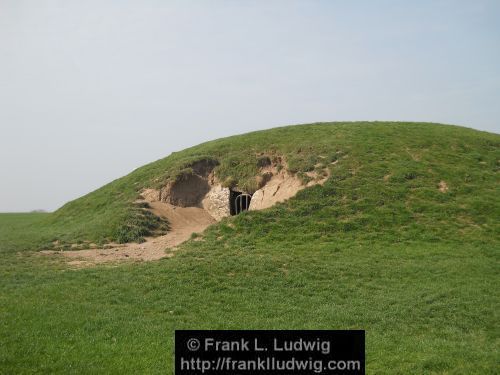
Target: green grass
{"x": 416, "y": 156}
{"x": 378, "y": 247}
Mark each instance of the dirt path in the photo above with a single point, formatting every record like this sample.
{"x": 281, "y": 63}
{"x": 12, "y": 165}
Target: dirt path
{"x": 184, "y": 221}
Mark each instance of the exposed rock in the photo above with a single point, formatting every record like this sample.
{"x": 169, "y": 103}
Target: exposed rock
{"x": 279, "y": 188}
{"x": 216, "y": 202}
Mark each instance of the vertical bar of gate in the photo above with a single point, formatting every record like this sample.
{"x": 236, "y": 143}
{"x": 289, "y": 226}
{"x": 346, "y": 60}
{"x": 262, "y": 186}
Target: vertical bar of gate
{"x": 242, "y": 203}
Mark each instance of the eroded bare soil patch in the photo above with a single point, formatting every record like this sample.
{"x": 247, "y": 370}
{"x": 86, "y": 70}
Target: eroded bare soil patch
{"x": 184, "y": 221}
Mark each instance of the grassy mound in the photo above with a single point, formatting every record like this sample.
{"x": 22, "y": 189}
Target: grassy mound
{"x": 386, "y": 177}
{"x": 402, "y": 241}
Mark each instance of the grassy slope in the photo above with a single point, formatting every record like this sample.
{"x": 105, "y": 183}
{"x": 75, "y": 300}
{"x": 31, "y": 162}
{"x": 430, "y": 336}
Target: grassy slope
{"x": 417, "y": 156}
{"x": 416, "y": 268}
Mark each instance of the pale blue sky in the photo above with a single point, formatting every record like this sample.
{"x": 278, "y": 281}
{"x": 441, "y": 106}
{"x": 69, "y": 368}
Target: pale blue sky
{"x": 90, "y": 90}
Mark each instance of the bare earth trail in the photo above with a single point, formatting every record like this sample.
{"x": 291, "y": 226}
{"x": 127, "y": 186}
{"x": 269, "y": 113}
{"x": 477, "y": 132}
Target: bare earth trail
{"x": 184, "y": 221}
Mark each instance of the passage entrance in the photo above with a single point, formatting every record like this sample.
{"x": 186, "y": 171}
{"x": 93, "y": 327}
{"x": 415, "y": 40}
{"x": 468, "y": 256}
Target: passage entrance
{"x": 239, "y": 202}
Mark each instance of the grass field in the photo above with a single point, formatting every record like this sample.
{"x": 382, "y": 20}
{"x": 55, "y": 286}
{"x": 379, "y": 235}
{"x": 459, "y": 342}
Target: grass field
{"x": 378, "y": 247}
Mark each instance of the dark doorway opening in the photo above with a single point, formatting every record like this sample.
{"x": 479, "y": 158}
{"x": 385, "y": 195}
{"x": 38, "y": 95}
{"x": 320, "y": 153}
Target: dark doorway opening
{"x": 238, "y": 202}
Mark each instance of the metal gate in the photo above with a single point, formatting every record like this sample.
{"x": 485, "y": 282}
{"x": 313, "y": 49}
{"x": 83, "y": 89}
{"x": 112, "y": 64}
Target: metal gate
{"x": 242, "y": 203}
